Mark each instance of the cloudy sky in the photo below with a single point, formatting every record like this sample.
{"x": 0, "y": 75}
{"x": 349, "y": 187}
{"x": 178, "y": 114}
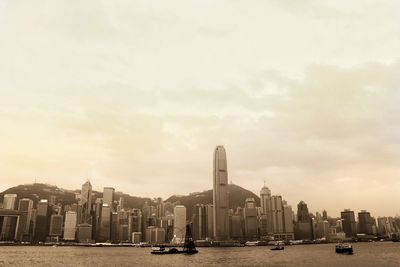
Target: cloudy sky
{"x": 136, "y": 95}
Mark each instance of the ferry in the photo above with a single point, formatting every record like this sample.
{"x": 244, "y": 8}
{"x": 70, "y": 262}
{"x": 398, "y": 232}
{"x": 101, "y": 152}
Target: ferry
{"x": 188, "y": 247}
{"x": 344, "y": 249}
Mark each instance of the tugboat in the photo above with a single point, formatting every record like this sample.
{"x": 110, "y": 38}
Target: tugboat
{"x": 344, "y": 249}
{"x": 188, "y": 247}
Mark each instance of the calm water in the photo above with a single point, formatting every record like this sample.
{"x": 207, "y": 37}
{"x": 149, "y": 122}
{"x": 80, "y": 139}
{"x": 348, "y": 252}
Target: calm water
{"x": 365, "y": 254}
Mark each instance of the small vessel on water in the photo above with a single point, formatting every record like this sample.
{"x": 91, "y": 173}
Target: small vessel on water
{"x": 278, "y": 246}
{"x": 188, "y": 247}
{"x": 344, "y": 249}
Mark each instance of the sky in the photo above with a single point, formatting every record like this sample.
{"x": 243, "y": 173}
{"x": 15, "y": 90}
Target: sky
{"x": 303, "y": 95}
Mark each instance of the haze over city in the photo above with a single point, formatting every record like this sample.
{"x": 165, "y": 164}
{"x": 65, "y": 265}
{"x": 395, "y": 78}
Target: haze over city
{"x": 302, "y": 96}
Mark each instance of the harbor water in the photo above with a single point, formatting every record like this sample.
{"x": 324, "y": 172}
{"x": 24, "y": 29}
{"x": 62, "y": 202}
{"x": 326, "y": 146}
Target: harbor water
{"x": 365, "y": 254}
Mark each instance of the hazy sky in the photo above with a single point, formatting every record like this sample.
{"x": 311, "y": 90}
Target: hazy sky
{"x": 136, "y": 95}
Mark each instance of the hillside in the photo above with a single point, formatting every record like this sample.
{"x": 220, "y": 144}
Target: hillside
{"x": 44, "y": 191}
{"x": 237, "y": 197}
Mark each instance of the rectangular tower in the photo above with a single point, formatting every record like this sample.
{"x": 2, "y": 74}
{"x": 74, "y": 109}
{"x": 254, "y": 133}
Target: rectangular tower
{"x": 220, "y": 195}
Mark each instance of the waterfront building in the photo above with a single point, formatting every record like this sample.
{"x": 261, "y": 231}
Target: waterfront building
{"x": 304, "y": 226}
{"x": 179, "y": 223}
{"x": 349, "y": 223}
{"x": 105, "y": 223}
{"x": 85, "y": 204}
{"x": 70, "y": 225}
{"x": 155, "y": 234}
{"x": 288, "y": 219}
{"x": 135, "y": 222}
{"x": 199, "y": 220}
{"x": 43, "y": 211}
{"x": 8, "y": 228}
{"x": 276, "y": 214}
{"x": 56, "y": 222}
{"x": 250, "y": 219}
{"x": 136, "y": 237}
{"x": 220, "y": 195}
{"x": 25, "y": 208}
{"x": 84, "y": 233}
{"x": 322, "y": 229}
{"x": 114, "y": 227}
{"x": 366, "y": 224}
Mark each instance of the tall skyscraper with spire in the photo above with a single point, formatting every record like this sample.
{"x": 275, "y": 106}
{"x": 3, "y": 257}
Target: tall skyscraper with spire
{"x": 220, "y": 195}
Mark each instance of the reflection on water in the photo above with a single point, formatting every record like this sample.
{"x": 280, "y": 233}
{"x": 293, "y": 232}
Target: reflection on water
{"x": 365, "y": 254}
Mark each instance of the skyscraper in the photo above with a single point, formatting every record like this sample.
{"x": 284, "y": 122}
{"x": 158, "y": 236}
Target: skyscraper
{"x": 42, "y": 220}
{"x": 250, "y": 219}
{"x": 86, "y": 203}
{"x": 265, "y": 199}
{"x": 179, "y": 223}
{"x": 25, "y": 207}
{"x": 349, "y": 223}
{"x": 366, "y": 224}
{"x": 105, "y": 223}
{"x": 108, "y": 196}
{"x": 304, "y": 227}
{"x": 9, "y": 201}
{"x": 220, "y": 195}
{"x": 56, "y": 225}
{"x": 70, "y": 225}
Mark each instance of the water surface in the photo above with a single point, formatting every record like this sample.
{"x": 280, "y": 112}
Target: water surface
{"x": 365, "y": 254}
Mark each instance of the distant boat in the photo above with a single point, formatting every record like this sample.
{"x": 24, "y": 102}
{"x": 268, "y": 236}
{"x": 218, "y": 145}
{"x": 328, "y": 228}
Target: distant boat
{"x": 278, "y": 246}
{"x": 344, "y": 249}
{"x": 188, "y": 247}
{"x": 251, "y": 243}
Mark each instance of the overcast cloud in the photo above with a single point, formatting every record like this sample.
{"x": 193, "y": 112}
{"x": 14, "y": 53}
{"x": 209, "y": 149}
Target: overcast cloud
{"x": 137, "y": 94}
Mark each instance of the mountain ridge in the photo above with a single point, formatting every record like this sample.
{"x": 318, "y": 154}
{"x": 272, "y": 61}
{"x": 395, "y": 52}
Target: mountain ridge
{"x": 36, "y": 191}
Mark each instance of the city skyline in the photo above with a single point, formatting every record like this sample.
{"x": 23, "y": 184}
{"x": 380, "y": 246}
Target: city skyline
{"x": 302, "y": 95}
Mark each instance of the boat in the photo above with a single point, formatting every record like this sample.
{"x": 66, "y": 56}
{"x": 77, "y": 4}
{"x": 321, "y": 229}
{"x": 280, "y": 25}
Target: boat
{"x": 278, "y": 246}
{"x": 188, "y": 247}
{"x": 251, "y": 243}
{"x": 344, "y": 249}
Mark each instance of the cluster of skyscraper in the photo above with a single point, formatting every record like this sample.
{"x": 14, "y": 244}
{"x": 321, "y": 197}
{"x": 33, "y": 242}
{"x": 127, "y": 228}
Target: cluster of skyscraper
{"x": 109, "y": 220}
{"x": 88, "y": 221}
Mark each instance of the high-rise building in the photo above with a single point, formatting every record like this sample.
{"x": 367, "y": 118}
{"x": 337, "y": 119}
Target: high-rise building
{"x": 25, "y": 207}
{"x": 70, "y": 225}
{"x": 277, "y": 215}
{"x": 179, "y": 223}
{"x": 288, "y": 219}
{"x": 135, "y": 222}
{"x": 56, "y": 222}
{"x": 265, "y": 200}
{"x": 9, "y": 201}
{"x": 114, "y": 227}
{"x": 322, "y": 229}
{"x": 366, "y": 224}
{"x": 43, "y": 211}
{"x": 8, "y": 230}
{"x": 250, "y": 219}
{"x": 349, "y": 223}
{"x": 108, "y": 196}
{"x": 155, "y": 234}
{"x": 84, "y": 233}
{"x": 199, "y": 220}
{"x": 304, "y": 226}
{"x": 86, "y": 203}
{"x": 105, "y": 223}
{"x": 220, "y": 195}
